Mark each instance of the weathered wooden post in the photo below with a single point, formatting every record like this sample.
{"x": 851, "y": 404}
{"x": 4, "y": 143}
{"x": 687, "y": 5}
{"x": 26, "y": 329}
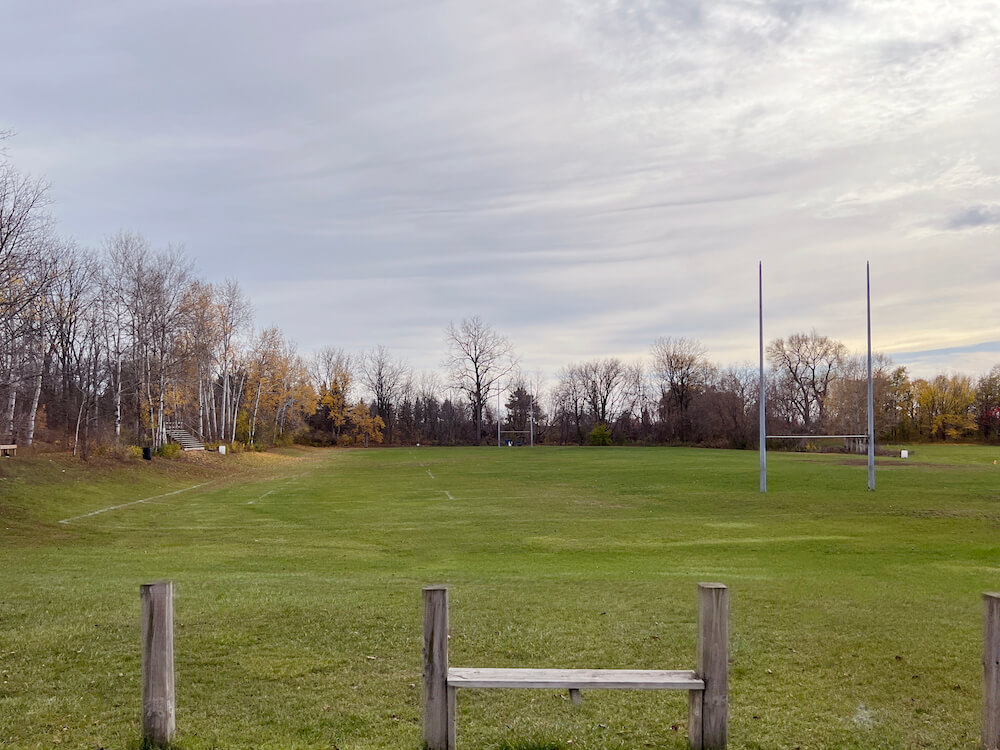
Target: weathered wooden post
{"x": 439, "y": 705}
{"x": 991, "y": 672}
{"x": 709, "y": 710}
{"x": 157, "y": 662}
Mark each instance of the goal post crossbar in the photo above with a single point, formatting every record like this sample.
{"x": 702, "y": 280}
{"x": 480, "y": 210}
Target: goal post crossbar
{"x": 805, "y": 437}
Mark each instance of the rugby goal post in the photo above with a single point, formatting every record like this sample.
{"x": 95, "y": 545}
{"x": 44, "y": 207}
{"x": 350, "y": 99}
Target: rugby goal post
{"x": 530, "y": 432}
{"x": 764, "y": 437}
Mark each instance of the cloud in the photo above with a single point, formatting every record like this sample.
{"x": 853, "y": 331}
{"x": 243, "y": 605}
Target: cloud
{"x": 586, "y": 174}
{"x": 974, "y": 217}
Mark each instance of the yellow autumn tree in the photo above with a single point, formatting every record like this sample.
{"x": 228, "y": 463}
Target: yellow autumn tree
{"x": 365, "y": 428}
{"x": 335, "y": 370}
{"x": 279, "y": 388}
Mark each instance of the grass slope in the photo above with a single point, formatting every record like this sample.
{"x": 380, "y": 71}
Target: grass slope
{"x": 856, "y": 616}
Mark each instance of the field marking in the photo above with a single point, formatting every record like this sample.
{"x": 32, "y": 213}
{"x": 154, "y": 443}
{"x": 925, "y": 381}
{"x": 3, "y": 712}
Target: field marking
{"x": 423, "y": 466}
{"x": 755, "y": 540}
{"x": 134, "y": 502}
{"x": 261, "y": 497}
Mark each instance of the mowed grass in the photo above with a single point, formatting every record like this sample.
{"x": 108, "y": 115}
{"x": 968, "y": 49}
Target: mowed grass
{"x": 856, "y": 616}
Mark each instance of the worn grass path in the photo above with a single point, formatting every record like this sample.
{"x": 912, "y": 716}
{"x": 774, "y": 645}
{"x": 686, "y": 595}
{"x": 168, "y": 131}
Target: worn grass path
{"x": 856, "y": 619}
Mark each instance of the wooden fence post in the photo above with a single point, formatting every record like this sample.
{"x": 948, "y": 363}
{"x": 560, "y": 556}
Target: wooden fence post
{"x": 713, "y": 665}
{"x": 439, "y": 705}
{"x": 157, "y": 662}
{"x": 991, "y": 672}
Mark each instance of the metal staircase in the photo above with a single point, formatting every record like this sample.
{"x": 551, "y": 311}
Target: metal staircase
{"x": 177, "y": 432}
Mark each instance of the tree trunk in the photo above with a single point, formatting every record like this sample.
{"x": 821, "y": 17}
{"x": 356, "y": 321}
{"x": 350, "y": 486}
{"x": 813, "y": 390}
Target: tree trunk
{"x": 118, "y": 399}
{"x": 201, "y": 405}
{"x": 149, "y": 400}
{"x": 236, "y": 400}
{"x": 160, "y": 431}
{"x": 225, "y": 395}
{"x": 256, "y": 403}
{"x": 213, "y": 414}
{"x": 34, "y": 406}
{"x": 76, "y": 434}
{"x": 11, "y": 404}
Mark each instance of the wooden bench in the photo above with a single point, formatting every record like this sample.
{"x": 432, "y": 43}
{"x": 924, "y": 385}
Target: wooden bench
{"x": 8, "y": 450}
{"x": 707, "y": 686}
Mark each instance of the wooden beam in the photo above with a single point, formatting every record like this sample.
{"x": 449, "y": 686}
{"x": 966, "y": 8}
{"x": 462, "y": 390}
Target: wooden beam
{"x": 158, "y": 709}
{"x": 991, "y": 672}
{"x": 439, "y": 714}
{"x": 713, "y": 663}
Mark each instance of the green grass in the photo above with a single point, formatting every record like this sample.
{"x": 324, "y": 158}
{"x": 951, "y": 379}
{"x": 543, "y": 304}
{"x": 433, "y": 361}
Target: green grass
{"x": 856, "y": 616}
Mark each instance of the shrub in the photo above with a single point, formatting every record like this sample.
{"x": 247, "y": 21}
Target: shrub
{"x": 600, "y": 435}
{"x": 132, "y": 451}
{"x": 169, "y": 450}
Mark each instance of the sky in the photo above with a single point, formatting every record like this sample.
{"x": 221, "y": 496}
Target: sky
{"x": 585, "y": 176}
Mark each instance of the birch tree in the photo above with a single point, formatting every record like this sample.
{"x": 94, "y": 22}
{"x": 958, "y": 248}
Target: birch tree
{"x": 235, "y": 315}
{"x": 26, "y": 272}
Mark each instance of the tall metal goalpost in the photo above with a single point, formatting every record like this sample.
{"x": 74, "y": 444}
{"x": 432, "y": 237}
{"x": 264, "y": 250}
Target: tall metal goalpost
{"x": 762, "y": 399}
{"x": 530, "y": 432}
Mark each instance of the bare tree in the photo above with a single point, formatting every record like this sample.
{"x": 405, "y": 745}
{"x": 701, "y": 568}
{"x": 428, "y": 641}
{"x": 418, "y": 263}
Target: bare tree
{"x": 155, "y": 286}
{"x": 204, "y": 334}
{"x": 478, "y": 357}
{"x": 70, "y": 322}
{"x": 25, "y": 231}
{"x": 26, "y": 272}
{"x": 115, "y": 315}
{"x": 387, "y": 379}
{"x": 847, "y": 399}
{"x": 735, "y": 401}
{"x": 570, "y": 401}
{"x": 610, "y": 388}
{"x": 682, "y": 369}
{"x": 806, "y": 365}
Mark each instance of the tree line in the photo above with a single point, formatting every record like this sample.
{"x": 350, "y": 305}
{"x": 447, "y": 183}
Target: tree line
{"x": 106, "y": 347}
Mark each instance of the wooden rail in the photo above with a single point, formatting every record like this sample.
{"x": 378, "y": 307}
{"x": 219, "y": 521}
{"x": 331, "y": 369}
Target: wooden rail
{"x": 576, "y": 679}
{"x": 707, "y": 686}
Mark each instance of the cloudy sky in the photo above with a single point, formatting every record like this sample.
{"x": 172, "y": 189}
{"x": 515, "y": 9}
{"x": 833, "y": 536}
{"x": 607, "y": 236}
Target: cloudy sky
{"x": 586, "y": 175}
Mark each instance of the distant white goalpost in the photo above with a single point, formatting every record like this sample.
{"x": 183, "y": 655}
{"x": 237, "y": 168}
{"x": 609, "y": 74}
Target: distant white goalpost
{"x": 764, "y": 437}
{"x": 530, "y": 432}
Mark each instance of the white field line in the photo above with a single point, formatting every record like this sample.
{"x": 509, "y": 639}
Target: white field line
{"x": 134, "y": 502}
{"x": 755, "y": 540}
{"x": 449, "y": 495}
{"x": 430, "y": 475}
{"x": 261, "y": 497}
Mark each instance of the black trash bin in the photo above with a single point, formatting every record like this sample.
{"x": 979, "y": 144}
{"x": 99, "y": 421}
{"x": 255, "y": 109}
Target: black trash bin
{"x": 147, "y": 453}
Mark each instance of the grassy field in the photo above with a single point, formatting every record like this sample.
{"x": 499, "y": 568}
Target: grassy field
{"x": 856, "y": 616}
